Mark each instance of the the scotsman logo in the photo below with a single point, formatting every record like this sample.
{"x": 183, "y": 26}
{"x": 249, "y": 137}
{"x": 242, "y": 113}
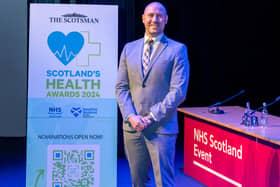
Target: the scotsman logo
{"x": 74, "y": 18}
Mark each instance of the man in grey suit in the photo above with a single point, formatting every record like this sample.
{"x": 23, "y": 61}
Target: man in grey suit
{"x": 152, "y": 82}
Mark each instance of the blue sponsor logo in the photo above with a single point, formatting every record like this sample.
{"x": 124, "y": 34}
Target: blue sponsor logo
{"x": 55, "y": 112}
{"x": 89, "y": 112}
{"x": 65, "y": 47}
{"x": 76, "y": 111}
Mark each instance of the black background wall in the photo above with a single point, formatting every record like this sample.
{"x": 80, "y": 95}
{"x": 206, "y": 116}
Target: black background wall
{"x": 232, "y": 45}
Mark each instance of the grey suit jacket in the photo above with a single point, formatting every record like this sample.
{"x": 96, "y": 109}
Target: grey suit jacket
{"x": 160, "y": 91}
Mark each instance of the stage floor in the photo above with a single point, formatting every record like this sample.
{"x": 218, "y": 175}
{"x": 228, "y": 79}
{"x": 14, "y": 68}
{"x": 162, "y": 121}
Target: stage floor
{"x": 13, "y": 164}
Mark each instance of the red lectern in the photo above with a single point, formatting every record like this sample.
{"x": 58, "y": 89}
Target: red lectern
{"x": 219, "y": 151}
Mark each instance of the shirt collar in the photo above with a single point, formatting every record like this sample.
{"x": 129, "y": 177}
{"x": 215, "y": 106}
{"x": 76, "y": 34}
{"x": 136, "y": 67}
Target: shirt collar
{"x": 155, "y": 39}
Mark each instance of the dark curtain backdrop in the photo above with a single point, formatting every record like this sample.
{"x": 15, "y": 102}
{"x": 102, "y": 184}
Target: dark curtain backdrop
{"x": 232, "y": 45}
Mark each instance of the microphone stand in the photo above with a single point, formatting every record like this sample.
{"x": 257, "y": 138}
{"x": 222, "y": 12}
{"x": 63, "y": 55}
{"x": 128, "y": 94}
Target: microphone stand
{"x": 219, "y": 111}
{"x": 216, "y": 110}
{"x": 260, "y": 108}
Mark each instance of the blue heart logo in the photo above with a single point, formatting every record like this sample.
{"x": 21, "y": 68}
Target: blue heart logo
{"x": 65, "y": 48}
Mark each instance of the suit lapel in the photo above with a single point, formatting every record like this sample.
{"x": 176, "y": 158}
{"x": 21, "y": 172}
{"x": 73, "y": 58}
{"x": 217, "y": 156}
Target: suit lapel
{"x": 140, "y": 45}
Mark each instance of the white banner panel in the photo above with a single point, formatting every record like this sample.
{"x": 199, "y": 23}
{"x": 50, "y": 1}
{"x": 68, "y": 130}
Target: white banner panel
{"x": 72, "y": 109}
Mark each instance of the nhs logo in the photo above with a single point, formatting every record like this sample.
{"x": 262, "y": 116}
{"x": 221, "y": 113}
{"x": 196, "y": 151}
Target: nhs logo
{"x": 55, "y": 112}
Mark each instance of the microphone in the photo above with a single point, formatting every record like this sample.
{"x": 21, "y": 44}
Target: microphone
{"x": 262, "y": 107}
{"x": 219, "y": 111}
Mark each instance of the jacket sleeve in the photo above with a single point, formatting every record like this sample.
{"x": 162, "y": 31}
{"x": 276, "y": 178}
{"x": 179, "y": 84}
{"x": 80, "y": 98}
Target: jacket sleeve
{"x": 122, "y": 88}
{"x": 178, "y": 86}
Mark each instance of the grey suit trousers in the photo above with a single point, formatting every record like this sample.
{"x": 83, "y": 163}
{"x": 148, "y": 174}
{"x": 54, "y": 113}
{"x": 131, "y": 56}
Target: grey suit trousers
{"x": 141, "y": 149}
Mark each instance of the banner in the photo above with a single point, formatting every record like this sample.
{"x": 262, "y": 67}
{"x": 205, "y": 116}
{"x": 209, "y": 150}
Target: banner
{"x": 72, "y": 109}
{"x": 226, "y": 158}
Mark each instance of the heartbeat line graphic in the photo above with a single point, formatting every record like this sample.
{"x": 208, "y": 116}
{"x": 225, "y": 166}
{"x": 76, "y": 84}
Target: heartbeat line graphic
{"x": 65, "y": 54}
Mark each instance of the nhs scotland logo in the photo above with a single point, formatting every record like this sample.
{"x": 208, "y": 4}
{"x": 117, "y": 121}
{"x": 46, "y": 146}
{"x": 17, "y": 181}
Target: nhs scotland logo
{"x": 65, "y": 47}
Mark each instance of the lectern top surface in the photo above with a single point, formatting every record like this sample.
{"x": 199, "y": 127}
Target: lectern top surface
{"x": 232, "y": 118}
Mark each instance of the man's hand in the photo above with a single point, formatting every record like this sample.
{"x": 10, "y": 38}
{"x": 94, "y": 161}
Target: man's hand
{"x": 139, "y": 123}
{"x": 147, "y": 121}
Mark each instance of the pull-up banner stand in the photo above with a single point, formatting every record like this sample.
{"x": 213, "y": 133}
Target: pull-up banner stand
{"x": 72, "y": 109}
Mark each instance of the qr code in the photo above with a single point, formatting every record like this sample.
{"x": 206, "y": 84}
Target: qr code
{"x": 73, "y": 166}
